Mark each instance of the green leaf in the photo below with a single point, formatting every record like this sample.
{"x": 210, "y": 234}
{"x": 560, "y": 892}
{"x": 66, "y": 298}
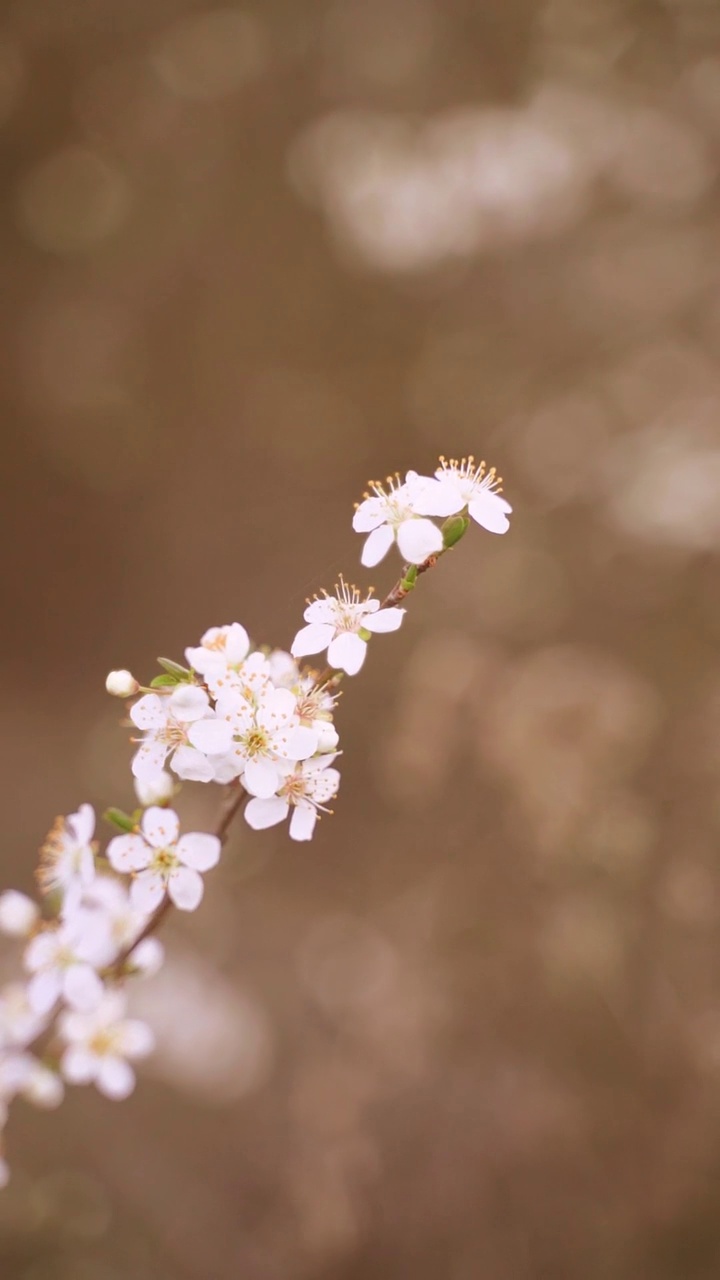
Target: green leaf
{"x": 174, "y": 668}
{"x": 120, "y": 820}
{"x": 164, "y": 682}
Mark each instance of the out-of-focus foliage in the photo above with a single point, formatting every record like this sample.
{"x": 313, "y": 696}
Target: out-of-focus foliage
{"x": 252, "y": 255}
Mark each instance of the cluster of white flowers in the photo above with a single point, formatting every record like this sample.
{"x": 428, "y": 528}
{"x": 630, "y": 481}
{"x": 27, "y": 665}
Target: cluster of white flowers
{"x": 250, "y": 719}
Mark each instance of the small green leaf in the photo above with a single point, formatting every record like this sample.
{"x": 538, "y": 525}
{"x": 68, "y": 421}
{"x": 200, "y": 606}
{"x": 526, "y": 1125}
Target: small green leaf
{"x": 410, "y": 578}
{"x": 164, "y": 682}
{"x": 120, "y": 820}
{"x": 453, "y": 529}
{"x": 174, "y": 668}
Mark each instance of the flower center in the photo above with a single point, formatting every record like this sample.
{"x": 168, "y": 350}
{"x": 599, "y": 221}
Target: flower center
{"x": 255, "y": 742}
{"x": 173, "y": 734}
{"x": 163, "y": 861}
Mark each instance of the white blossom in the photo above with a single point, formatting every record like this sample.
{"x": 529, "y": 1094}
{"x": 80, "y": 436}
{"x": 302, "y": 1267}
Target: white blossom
{"x": 306, "y": 788}
{"x": 181, "y": 725}
{"x": 121, "y": 684}
{"x": 67, "y": 858}
{"x": 100, "y": 1044}
{"x": 461, "y": 484}
{"x": 19, "y": 1023}
{"x": 64, "y": 960}
{"x": 336, "y": 623}
{"x": 22, "y": 1073}
{"x": 125, "y": 922}
{"x": 391, "y": 514}
{"x": 265, "y": 729}
{"x": 156, "y": 790}
{"x": 18, "y": 914}
{"x": 221, "y": 649}
{"x": 161, "y": 863}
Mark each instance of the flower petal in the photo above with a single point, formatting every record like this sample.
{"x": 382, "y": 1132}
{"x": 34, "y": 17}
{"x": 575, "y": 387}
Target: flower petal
{"x": 82, "y": 988}
{"x": 490, "y": 511}
{"x": 147, "y": 891}
{"x": 128, "y": 853}
{"x": 188, "y": 702}
{"x": 312, "y": 639}
{"x": 82, "y": 823}
{"x": 260, "y": 814}
{"x": 115, "y": 1078}
{"x": 376, "y": 546}
{"x": 302, "y": 823}
{"x": 43, "y": 990}
{"x": 298, "y": 744}
{"x": 385, "y": 620}
{"x": 79, "y": 1065}
{"x": 260, "y": 778}
{"x": 160, "y": 827}
{"x": 211, "y": 736}
{"x": 434, "y": 497}
{"x": 418, "y": 539}
{"x": 369, "y": 514}
{"x": 185, "y": 888}
{"x": 347, "y": 652}
{"x": 199, "y": 850}
{"x": 148, "y": 712}
{"x": 149, "y": 760}
{"x": 136, "y": 1038}
{"x": 191, "y": 765}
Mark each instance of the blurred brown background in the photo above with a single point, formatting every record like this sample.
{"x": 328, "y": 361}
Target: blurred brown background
{"x": 252, "y": 256}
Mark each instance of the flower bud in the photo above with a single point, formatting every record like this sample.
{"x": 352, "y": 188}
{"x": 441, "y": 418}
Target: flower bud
{"x": 155, "y": 790}
{"x": 121, "y": 684}
{"x": 18, "y": 914}
{"x": 328, "y": 736}
{"x": 148, "y": 957}
{"x": 453, "y": 529}
{"x": 43, "y": 1087}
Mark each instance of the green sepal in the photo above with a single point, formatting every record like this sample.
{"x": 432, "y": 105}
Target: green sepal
{"x": 364, "y": 634}
{"x": 121, "y": 820}
{"x": 164, "y": 682}
{"x": 174, "y": 669}
{"x": 453, "y": 529}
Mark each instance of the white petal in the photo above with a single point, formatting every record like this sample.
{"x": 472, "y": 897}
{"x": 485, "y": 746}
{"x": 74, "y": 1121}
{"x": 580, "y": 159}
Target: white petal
{"x": 147, "y": 957}
{"x": 185, "y": 888}
{"x": 43, "y": 990}
{"x": 83, "y": 823}
{"x": 312, "y": 639}
{"x": 79, "y": 1065}
{"x": 199, "y": 850}
{"x": 160, "y": 827}
{"x": 260, "y": 778}
{"x": 377, "y": 546}
{"x": 347, "y": 652}
{"x": 18, "y": 913}
{"x": 188, "y": 702}
{"x": 147, "y": 891}
{"x": 385, "y": 620}
{"x": 237, "y": 644}
{"x": 277, "y": 707}
{"x": 149, "y": 712}
{"x": 302, "y": 823}
{"x": 369, "y": 514}
{"x": 149, "y": 760}
{"x": 489, "y": 510}
{"x": 115, "y": 1078}
{"x": 325, "y": 786}
{"x": 137, "y": 1039}
{"x": 128, "y": 853}
{"x": 191, "y": 765}
{"x": 82, "y": 988}
{"x": 212, "y": 736}
{"x": 325, "y": 611}
{"x": 297, "y": 744}
{"x": 260, "y": 814}
{"x": 418, "y": 539}
{"x": 435, "y": 497}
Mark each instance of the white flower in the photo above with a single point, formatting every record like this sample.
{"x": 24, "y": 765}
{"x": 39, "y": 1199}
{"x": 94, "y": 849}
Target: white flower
{"x": 156, "y": 790}
{"x": 460, "y": 484}
{"x": 99, "y": 1045}
{"x": 64, "y": 960}
{"x": 335, "y": 624}
{"x": 220, "y": 649}
{"x": 125, "y": 922}
{"x": 21, "y": 1073}
{"x": 180, "y": 723}
{"x": 265, "y": 730}
{"x": 306, "y": 787}
{"x": 392, "y": 514}
{"x": 67, "y": 858}
{"x": 162, "y": 863}
{"x": 19, "y": 1024}
{"x": 18, "y": 914}
{"x": 121, "y": 684}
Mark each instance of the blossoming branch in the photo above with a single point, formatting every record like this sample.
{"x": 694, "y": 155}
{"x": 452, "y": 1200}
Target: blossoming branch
{"x": 254, "y": 720}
